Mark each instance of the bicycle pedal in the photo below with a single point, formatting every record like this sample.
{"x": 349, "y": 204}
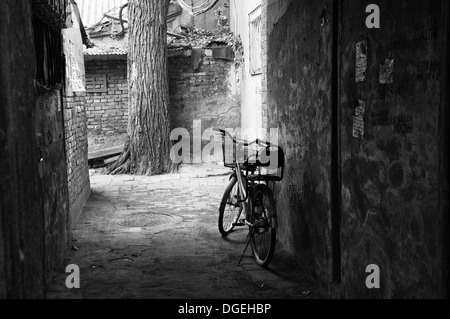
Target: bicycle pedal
{"x": 238, "y": 224}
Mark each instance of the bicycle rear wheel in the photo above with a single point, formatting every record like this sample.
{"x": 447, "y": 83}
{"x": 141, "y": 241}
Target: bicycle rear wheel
{"x": 264, "y": 215}
{"x": 230, "y": 207}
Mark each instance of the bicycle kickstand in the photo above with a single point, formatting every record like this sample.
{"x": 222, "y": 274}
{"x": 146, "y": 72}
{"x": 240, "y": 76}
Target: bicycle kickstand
{"x": 246, "y": 246}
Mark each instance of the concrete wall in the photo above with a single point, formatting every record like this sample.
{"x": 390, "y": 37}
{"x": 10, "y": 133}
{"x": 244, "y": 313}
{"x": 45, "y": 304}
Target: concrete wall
{"x": 299, "y": 102}
{"x": 362, "y": 199}
{"x": 252, "y": 112}
{"x": 390, "y": 178}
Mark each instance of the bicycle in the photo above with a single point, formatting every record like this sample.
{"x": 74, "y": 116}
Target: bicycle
{"x": 254, "y": 165}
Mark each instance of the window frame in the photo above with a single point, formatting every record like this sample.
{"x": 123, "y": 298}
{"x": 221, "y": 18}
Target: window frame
{"x": 255, "y": 44}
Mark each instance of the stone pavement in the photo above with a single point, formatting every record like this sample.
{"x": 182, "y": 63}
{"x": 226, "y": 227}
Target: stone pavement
{"x": 157, "y": 237}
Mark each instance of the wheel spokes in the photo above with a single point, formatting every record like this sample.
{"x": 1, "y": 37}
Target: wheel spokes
{"x": 262, "y": 236}
{"x": 233, "y": 210}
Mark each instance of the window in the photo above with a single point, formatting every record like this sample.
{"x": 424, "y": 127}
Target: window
{"x": 255, "y": 41}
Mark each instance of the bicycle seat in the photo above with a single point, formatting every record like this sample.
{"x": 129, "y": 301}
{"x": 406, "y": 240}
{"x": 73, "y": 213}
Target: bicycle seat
{"x": 272, "y": 158}
{"x": 265, "y": 178}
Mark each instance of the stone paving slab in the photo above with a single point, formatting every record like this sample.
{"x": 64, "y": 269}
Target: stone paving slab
{"x": 184, "y": 258}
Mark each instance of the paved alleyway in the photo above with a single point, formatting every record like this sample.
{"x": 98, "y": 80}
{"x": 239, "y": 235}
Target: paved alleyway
{"x": 178, "y": 253}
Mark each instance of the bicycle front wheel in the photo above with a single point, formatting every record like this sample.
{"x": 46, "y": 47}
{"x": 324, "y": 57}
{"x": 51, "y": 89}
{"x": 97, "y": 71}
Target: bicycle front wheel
{"x": 230, "y": 208}
{"x": 264, "y": 231}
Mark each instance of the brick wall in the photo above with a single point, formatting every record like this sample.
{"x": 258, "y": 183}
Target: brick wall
{"x": 107, "y": 110}
{"x": 264, "y": 49}
{"x": 207, "y": 94}
{"x": 75, "y": 118}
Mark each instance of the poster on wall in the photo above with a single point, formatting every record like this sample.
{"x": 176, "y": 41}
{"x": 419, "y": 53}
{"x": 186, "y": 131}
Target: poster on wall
{"x": 75, "y": 78}
{"x": 361, "y": 61}
{"x": 358, "y": 120}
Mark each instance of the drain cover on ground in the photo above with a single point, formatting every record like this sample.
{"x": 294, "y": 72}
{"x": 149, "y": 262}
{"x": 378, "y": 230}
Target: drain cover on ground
{"x": 144, "y": 220}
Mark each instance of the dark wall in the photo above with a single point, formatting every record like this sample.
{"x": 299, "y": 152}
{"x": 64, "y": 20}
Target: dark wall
{"x": 34, "y": 226}
{"x": 21, "y": 214}
{"x": 52, "y": 169}
{"x": 444, "y": 158}
{"x": 299, "y": 102}
{"x": 390, "y": 178}
{"x": 388, "y": 157}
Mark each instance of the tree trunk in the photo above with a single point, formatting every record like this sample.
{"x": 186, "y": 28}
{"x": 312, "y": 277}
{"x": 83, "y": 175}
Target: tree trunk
{"x": 147, "y": 151}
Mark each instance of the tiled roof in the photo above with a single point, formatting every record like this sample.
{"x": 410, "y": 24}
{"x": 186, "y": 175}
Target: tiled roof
{"x": 92, "y": 10}
{"x": 117, "y": 49}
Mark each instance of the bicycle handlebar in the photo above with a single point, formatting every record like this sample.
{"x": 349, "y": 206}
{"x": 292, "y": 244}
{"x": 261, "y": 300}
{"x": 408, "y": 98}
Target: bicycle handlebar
{"x": 244, "y": 142}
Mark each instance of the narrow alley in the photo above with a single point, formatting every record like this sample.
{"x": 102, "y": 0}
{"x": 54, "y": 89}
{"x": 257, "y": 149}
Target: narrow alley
{"x": 157, "y": 237}
{"x": 142, "y": 143}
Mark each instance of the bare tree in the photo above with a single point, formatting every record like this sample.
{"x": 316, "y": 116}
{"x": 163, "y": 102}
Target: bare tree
{"x": 147, "y": 151}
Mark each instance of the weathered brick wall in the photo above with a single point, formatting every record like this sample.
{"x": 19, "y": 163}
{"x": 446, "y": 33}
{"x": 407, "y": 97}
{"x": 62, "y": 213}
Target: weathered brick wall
{"x": 264, "y": 48}
{"x": 107, "y": 111}
{"x": 207, "y": 94}
{"x": 75, "y": 122}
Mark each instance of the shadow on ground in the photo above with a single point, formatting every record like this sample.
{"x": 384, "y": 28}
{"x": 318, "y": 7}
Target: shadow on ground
{"x": 157, "y": 238}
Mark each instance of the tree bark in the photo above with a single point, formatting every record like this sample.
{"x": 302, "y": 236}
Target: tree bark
{"x": 147, "y": 151}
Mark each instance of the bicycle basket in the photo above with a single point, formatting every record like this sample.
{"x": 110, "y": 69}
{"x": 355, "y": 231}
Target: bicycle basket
{"x": 270, "y": 163}
{"x": 234, "y": 152}
{"x": 267, "y": 162}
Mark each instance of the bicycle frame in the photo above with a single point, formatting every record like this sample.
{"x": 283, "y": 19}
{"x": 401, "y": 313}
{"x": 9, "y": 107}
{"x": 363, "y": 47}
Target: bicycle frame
{"x": 253, "y": 196}
{"x": 243, "y": 188}
{"x": 237, "y": 168}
